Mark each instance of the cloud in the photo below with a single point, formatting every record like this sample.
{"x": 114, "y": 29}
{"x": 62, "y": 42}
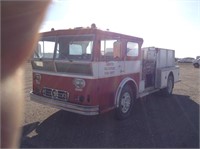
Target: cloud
{"x": 57, "y": 1}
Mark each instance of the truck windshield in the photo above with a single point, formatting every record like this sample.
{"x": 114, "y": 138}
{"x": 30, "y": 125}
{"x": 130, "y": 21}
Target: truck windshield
{"x": 74, "y": 47}
{"x": 45, "y": 48}
{"x": 77, "y": 47}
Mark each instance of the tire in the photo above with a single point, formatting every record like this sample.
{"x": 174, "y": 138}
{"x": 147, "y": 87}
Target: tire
{"x": 196, "y": 65}
{"x": 125, "y": 103}
{"x": 170, "y": 85}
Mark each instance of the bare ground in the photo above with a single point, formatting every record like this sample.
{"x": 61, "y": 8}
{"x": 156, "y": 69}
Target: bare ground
{"x": 156, "y": 121}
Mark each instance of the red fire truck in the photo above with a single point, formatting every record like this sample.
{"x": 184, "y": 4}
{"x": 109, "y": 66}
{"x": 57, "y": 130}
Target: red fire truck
{"x": 90, "y": 71}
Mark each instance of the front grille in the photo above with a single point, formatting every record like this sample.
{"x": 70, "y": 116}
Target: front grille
{"x": 47, "y": 92}
{"x": 55, "y": 94}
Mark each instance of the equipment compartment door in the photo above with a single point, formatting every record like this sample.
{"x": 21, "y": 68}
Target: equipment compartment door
{"x": 149, "y": 67}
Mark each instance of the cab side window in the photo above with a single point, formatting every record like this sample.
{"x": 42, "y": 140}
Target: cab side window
{"x": 110, "y": 50}
{"x": 132, "y": 49}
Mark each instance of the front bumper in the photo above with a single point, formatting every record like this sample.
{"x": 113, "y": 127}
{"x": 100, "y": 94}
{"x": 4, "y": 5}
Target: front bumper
{"x": 75, "y": 108}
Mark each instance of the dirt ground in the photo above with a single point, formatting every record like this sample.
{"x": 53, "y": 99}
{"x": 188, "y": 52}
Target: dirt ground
{"x": 156, "y": 121}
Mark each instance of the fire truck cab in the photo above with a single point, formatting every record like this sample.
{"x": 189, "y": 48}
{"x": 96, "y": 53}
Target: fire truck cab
{"x": 90, "y": 71}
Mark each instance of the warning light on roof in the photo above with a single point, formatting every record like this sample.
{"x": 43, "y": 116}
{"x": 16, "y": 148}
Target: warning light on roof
{"x": 93, "y": 26}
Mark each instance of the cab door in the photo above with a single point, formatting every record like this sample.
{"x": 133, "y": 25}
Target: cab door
{"x": 111, "y": 59}
{"x": 110, "y": 69}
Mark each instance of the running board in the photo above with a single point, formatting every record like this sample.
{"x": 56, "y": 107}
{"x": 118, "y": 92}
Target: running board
{"x": 148, "y": 92}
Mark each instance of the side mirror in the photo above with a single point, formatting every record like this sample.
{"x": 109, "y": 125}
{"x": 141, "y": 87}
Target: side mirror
{"x": 117, "y": 49}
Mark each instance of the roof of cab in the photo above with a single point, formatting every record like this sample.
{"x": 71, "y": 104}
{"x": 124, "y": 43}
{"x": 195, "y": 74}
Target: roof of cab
{"x": 81, "y": 31}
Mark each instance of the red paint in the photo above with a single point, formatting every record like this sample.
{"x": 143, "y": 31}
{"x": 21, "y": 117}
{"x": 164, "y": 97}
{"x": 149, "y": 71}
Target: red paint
{"x": 101, "y": 91}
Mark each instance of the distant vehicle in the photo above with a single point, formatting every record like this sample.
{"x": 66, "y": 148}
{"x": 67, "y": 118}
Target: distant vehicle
{"x": 196, "y": 63}
{"x": 186, "y": 60}
{"x": 177, "y": 59}
{"x": 197, "y": 57}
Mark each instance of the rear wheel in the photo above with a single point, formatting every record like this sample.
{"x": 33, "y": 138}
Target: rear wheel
{"x": 125, "y": 103}
{"x": 170, "y": 85}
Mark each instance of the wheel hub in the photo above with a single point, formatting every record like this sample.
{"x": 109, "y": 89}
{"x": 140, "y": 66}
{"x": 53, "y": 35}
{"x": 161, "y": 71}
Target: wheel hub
{"x": 125, "y": 102}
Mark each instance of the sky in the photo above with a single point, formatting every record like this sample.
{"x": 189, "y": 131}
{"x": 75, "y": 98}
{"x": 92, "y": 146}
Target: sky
{"x": 169, "y": 24}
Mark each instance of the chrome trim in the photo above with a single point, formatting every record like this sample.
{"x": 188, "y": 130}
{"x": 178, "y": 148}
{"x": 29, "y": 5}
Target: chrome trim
{"x": 80, "y": 109}
{"x": 54, "y": 97}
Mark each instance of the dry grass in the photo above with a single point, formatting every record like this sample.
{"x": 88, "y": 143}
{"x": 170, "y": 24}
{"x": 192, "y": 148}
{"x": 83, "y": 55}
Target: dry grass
{"x": 190, "y": 82}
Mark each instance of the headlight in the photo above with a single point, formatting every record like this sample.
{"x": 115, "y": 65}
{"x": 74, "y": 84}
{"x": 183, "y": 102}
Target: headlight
{"x": 79, "y": 83}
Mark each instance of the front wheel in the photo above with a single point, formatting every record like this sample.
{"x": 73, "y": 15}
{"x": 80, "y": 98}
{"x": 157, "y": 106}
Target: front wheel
{"x": 125, "y": 103}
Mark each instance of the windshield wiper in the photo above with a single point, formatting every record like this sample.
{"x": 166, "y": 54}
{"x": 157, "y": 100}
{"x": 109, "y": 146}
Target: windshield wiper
{"x": 63, "y": 56}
